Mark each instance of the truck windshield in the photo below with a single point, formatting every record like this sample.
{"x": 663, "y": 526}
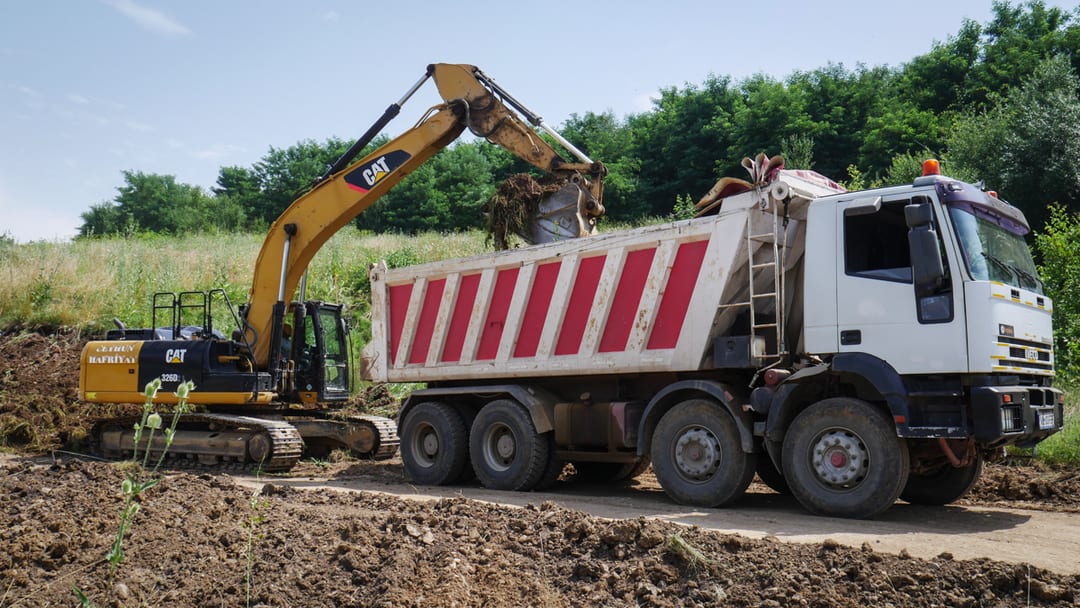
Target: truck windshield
{"x": 994, "y": 248}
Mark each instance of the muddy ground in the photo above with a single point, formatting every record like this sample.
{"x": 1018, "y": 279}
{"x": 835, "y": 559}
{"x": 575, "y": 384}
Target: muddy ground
{"x": 201, "y": 539}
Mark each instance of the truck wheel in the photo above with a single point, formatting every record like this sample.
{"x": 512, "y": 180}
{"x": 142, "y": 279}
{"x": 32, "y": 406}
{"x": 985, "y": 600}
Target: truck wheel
{"x": 434, "y": 444}
{"x": 842, "y": 458}
{"x": 506, "y": 451}
{"x": 943, "y": 486}
{"x": 697, "y": 456}
{"x": 609, "y": 472}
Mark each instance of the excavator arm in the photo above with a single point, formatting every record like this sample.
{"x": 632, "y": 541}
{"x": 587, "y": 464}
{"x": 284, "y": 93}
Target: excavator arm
{"x": 471, "y": 101}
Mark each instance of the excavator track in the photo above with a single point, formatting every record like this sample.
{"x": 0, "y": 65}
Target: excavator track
{"x": 386, "y": 429}
{"x": 363, "y": 436}
{"x": 211, "y": 440}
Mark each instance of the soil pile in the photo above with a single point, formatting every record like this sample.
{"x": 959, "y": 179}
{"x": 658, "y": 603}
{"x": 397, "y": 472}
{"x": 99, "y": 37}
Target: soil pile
{"x": 201, "y": 540}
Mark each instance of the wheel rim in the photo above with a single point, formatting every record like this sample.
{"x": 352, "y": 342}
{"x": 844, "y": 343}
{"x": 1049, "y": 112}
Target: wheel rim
{"x": 839, "y": 459}
{"x": 425, "y": 445}
{"x": 697, "y": 454}
{"x": 500, "y": 447}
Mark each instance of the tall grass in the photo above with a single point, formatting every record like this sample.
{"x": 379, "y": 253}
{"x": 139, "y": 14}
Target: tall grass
{"x": 86, "y": 283}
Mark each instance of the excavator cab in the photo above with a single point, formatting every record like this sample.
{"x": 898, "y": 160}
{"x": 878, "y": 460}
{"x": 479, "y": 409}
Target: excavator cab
{"x": 315, "y": 352}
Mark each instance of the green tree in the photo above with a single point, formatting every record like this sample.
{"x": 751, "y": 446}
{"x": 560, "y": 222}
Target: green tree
{"x": 238, "y": 187}
{"x": 898, "y": 128}
{"x": 937, "y": 81}
{"x": 798, "y": 151}
{"x": 286, "y": 173}
{"x": 1016, "y": 41}
{"x": 103, "y": 219}
{"x": 149, "y": 202}
{"x": 603, "y": 137}
{"x": 768, "y": 112}
{"x": 838, "y": 102}
{"x": 1060, "y": 269}
{"x": 681, "y": 140}
{"x": 1027, "y": 144}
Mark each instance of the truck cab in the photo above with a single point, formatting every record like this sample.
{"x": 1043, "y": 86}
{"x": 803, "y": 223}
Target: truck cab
{"x": 948, "y": 302}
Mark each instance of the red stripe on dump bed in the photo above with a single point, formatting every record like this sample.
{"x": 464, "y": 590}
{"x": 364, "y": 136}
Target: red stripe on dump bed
{"x": 399, "y": 306}
{"x": 580, "y": 305}
{"x": 426, "y": 325}
{"x": 677, "y": 293}
{"x": 459, "y": 321}
{"x": 536, "y": 310}
{"x": 624, "y": 307}
{"x": 496, "y": 317}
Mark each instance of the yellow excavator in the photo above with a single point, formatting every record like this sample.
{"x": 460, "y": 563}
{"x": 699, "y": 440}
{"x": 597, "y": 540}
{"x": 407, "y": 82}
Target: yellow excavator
{"x": 273, "y": 388}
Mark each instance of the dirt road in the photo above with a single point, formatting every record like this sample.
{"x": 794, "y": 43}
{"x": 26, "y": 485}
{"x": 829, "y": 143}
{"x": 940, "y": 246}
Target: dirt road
{"x": 1049, "y": 540}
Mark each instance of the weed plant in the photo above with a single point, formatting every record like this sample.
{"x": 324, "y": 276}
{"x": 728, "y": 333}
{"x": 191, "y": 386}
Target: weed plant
{"x": 257, "y": 506}
{"x": 139, "y": 475}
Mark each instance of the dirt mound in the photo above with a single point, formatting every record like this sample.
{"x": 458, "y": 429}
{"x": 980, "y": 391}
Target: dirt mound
{"x": 1027, "y": 485}
{"x": 39, "y": 384}
{"x": 201, "y": 540}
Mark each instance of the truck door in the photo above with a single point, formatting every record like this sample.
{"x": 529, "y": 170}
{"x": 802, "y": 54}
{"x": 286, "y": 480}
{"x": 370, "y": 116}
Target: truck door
{"x": 877, "y": 309}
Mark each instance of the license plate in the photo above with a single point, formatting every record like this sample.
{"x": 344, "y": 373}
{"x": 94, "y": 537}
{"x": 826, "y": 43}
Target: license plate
{"x": 1046, "y": 420}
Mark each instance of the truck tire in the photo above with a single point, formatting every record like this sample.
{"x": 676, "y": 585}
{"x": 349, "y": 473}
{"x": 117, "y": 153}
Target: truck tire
{"x": 842, "y": 458}
{"x": 434, "y": 444}
{"x": 506, "y": 451}
{"x": 697, "y": 456}
{"x": 609, "y": 472}
{"x": 944, "y": 486}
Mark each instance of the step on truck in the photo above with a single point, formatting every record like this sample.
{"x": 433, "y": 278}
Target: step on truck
{"x": 851, "y": 348}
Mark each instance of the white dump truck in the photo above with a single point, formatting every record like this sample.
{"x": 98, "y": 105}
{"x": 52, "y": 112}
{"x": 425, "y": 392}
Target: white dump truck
{"x": 852, "y": 348}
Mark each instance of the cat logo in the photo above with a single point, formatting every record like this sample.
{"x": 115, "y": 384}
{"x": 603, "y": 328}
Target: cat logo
{"x": 175, "y": 355}
{"x": 375, "y": 171}
{"x": 367, "y": 175}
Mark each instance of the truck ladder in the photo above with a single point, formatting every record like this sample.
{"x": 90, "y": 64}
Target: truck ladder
{"x": 775, "y": 268}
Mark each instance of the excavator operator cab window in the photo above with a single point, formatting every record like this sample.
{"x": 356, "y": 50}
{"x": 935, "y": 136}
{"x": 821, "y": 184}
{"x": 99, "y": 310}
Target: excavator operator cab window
{"x": 331, "y": 336}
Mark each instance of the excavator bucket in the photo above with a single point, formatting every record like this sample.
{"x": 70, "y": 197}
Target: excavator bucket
{"x": 562, "y": 215}
{"x": 541, "y": 212}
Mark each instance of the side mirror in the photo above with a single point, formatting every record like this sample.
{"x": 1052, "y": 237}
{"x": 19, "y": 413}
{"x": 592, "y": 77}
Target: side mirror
{"x": 927, "y": 267}
{"x": 919, "y": 213}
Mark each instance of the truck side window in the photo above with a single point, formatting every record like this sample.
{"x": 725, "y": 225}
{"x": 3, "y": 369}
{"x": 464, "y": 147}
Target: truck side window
{"x": 876, "y": 244}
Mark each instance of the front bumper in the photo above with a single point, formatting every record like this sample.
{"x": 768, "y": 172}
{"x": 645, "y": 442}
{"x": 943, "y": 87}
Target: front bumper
{"x": 1016, "y": 415}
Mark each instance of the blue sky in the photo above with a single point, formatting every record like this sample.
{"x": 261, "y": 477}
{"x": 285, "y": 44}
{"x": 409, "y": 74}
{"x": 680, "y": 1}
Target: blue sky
{"x": 90, "y": 88}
